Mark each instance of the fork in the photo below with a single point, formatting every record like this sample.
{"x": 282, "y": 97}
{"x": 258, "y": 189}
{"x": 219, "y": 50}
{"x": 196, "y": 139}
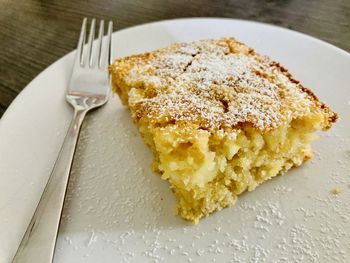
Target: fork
{"x": 88, "y": 88}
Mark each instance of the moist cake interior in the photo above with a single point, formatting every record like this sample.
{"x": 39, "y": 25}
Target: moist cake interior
{"x": 209, "y": 170}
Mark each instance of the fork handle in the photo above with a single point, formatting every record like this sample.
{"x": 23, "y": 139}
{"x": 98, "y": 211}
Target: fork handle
{"x": 38, "y": 242}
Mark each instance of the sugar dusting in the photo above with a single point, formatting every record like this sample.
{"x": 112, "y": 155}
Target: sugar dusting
{"x": 212, "y": 83}
{"x": 125, "y": 211}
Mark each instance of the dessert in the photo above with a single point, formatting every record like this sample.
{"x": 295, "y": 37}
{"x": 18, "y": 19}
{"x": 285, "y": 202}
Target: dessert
{"x": 219, "y": 117}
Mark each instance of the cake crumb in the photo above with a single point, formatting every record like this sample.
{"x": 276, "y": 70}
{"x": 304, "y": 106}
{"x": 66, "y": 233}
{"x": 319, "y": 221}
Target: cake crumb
{"x": 336, "y": 190}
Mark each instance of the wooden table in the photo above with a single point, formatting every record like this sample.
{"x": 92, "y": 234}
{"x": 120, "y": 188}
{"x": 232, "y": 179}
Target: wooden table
{"x": 33, "y": 34}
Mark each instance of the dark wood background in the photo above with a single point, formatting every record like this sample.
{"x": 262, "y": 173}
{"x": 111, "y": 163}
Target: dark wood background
{"x": 33, "y": 34}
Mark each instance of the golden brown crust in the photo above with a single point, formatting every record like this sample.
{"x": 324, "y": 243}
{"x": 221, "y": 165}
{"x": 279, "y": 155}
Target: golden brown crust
{"x": 214, "y": 84}
{"x": 329, "y": 114}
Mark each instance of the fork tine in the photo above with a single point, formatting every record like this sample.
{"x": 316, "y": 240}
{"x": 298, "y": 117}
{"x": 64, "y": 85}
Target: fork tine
{"x": 97, "y": 57}
{"x": 106, "y": 57}
{"x": 109, "y": 39}
{"x": 88, "y": 57}
{"x": 81, "y": 42}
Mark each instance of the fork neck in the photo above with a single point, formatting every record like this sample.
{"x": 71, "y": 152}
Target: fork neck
{"x": 78, "y": 118}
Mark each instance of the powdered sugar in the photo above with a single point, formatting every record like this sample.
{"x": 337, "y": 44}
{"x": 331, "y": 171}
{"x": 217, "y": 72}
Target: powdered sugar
{"x": 212, "y": 83}
{"x": 125, "y": 213}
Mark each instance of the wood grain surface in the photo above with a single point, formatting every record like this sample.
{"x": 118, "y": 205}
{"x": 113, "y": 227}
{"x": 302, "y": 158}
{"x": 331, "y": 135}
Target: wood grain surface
{"x": 33, "y": 34}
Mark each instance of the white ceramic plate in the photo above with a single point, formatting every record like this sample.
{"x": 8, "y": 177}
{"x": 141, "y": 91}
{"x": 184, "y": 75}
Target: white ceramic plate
{"x": 117, "y": 210}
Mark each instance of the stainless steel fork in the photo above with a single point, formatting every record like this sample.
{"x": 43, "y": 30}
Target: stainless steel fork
{"x": 88, "y": 88}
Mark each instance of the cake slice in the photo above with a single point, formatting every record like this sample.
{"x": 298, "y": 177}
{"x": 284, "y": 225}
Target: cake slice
{"x": 219, "y": 118}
